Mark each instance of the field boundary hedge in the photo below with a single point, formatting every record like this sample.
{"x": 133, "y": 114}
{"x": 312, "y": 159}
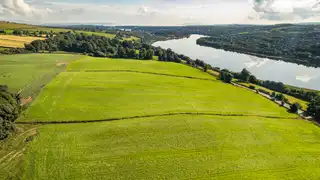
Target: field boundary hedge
{"x": 155, "y": 115}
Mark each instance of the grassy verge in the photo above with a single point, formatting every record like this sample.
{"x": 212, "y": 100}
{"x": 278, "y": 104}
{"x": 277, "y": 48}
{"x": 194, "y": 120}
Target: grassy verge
{"x": 291, "y": 99}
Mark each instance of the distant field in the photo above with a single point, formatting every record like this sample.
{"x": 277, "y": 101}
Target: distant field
{"x": 5, "y": 25}
{"x": 16, "y": 41}
{"x": 29, "y": 72}
{"x": 11, "y": 26}
{"x": 74, "y": 96}
{"x": 98, "y": 34}
{"x": 177, "y": 147}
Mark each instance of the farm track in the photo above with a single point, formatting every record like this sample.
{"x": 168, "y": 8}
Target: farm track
{"x": 156, "y": 115}
{"x": 143, "y": 72}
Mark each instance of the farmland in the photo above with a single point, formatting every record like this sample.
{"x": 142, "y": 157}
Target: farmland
{"x": 16, "y": 41}
{"x": 9, "y": 27}
{"x": 30, "y": 72}
{"x": 179, "y": 147}
{"x": 12, "y": 26}
{"x": 108, "y": 118}
{"x": 86, "y": 95}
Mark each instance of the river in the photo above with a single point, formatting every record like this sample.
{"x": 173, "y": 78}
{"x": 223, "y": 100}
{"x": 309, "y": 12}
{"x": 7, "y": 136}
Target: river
{"x": 262, "y": 68}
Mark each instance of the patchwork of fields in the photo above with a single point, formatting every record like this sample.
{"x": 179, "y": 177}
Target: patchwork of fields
{"x": 222, "y": 131}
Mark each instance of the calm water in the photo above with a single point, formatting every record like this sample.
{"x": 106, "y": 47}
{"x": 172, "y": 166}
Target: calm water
{"x": 262, "y": 68}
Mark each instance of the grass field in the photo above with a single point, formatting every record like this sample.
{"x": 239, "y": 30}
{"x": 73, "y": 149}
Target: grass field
{"x": 12, "y": 151}
{"x": 291, "y": 99}
{"x": 29, "y": 72}
{"x": 16, "y": 41}
{"x": 249, "y": 137}
{"x": 98, "y": 34}
{"x": 74, "y": 96}
{"x": 177, "y": 147}
{"x": 12, "y": 26}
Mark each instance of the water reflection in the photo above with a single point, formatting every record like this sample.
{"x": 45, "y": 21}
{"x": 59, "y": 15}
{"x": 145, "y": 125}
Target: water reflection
{"x": 263, "y": 68}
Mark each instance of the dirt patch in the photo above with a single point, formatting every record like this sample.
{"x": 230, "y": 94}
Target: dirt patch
{"x": 61, "y": 64}
{"x": 26, "y": 101}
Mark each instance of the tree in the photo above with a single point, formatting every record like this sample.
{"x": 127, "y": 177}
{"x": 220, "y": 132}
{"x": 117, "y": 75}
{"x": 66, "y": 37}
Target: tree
{"x": 253, "y": 79}
{"x": 280, "y": 97}
{"x": 149, "y": 54}
{"x": 314, "y": 108}
{"x": 205, "y": 69}
{"x": 245, "y": 75}
{"x": 226, "y": 76}
{"x": 294, "y": 108}
{"x": 9, "y": 111}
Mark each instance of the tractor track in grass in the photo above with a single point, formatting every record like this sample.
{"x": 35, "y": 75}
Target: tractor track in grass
{"x": 155, "y": 115}
{"x": 144, "y": 72}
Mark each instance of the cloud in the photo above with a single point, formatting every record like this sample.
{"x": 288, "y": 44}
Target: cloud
{"x": 279, "y": 10}
{"x": 20, "y": 8}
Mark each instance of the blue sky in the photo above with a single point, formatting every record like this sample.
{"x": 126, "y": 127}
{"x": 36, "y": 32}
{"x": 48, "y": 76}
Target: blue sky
{"x": 160, "y": 12}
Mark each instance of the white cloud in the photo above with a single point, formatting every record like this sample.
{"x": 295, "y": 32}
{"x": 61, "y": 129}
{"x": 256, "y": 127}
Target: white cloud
{"x": 286, "y": 10}
{"x": 157, "y": 12}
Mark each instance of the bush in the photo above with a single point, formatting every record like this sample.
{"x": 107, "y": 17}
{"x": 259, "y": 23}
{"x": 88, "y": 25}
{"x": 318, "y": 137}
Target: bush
{"x": 252, "y": 87}
{"x": 294, "y": 108}
{"x": 264, "y": 91}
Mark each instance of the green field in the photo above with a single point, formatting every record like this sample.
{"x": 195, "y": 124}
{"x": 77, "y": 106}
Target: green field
{"x": 245, "y": 136}
{"x": 74, "y": 96}
{"x": 30, "y": 72}
{"x": 98, "y": 34}
{"x": 177, "y": 147}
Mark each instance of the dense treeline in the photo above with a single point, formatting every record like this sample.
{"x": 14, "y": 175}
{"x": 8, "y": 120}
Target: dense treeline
{"x": 300, "y": 93}
{"x": 9, "y": 111}
{"x": 292, "y": 43}
{"x": 100, "y": 46}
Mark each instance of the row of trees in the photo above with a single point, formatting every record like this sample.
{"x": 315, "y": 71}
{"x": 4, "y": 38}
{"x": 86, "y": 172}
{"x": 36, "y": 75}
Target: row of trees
{"x": 9, "y": 111}
{"x": 311, "y": 96}
{"x": 299, "y": 93}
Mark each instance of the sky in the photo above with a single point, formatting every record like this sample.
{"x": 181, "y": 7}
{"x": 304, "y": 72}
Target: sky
{"x": 160, "y": 12}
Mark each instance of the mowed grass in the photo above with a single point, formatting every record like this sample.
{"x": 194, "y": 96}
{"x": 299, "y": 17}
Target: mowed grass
{"x": 29, "y": 72}
{"x": 79, "y": 96}
{"x": 177, "y": 147}
{"x": 16, "y": 41}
